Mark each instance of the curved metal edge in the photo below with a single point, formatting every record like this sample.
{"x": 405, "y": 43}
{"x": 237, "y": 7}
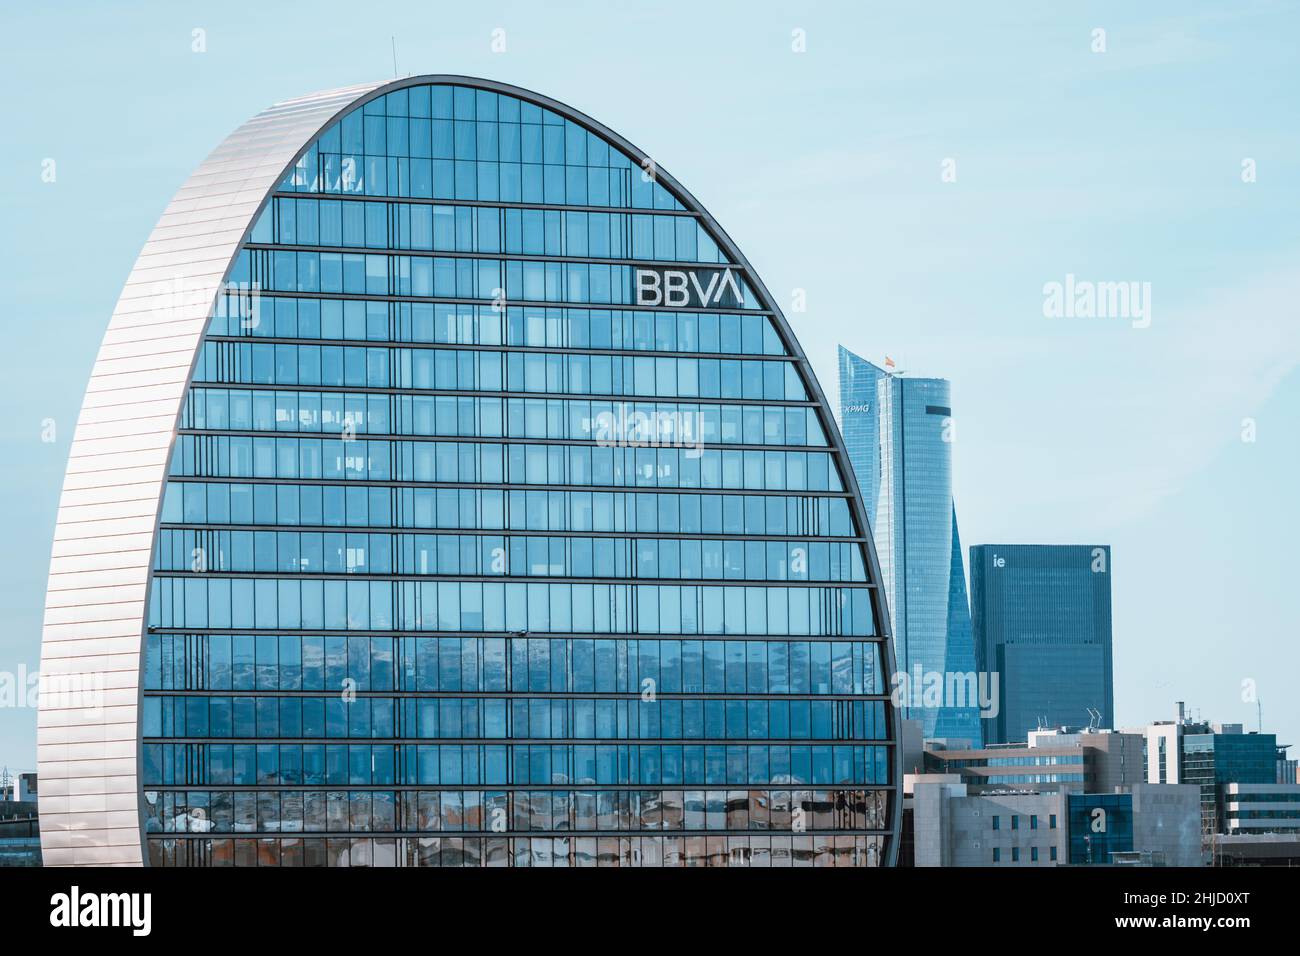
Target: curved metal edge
{"x": 89, "y": 747}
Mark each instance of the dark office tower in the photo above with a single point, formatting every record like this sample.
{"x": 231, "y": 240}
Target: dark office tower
{"x": 1041, "y": 616}
{"x": 450, "y": 492}
{"x": 898, "y": 432}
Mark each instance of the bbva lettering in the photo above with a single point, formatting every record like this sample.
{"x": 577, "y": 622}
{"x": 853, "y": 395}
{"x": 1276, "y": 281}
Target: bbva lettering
{"x": 673, "y": 288}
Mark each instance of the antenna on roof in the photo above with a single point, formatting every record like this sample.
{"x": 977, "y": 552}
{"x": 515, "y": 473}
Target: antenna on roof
{"x": 394, "y": 39}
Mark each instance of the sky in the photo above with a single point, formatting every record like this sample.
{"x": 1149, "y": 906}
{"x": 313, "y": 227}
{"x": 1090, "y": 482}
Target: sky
{"x": 918, "y": 173}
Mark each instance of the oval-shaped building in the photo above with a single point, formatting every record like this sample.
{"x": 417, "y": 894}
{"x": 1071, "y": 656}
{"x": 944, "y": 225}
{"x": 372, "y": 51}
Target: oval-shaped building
{"x": 449, "y": 491}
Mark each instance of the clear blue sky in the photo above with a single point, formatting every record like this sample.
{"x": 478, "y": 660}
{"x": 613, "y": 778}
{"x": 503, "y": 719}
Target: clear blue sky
{"x": 825, "y": 167}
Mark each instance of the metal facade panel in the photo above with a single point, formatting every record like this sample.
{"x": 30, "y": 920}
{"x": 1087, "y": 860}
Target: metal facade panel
{"x": 88, "y": 738}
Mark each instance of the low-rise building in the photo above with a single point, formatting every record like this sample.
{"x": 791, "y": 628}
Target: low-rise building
{"x": 1213, "y": 756}
{"x": 1261, "y": 808}
{"x": 1090, "y": 760}
{"x": 1147, "y": 823}
{"x": 1256, "y": 849}
{"x": 947, "y": 822}
{"x": 20, "y": 835}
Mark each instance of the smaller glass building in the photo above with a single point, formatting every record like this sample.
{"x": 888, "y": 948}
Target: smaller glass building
{"x": 1100, "y": 824}
{"x": 1041, "y": 620}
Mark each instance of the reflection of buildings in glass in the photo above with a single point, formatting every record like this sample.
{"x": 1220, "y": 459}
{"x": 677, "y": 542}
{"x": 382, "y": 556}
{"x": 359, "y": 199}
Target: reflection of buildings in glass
{"x": 898, "y": 432}
{"x": 1042, "y": 620}
{"x": 404, "y": 605}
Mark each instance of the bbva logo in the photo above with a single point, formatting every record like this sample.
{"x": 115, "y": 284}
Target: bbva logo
{"x": 679, "y": 289}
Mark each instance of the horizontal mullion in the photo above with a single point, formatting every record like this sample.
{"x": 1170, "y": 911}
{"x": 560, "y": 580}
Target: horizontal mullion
{"x": 661, "y": 264}
{"x": 492, "y": 203}
{"x": 505, "y": 393}
{"x": 501, "y": 440}
{"x": 506, "y": 532}
{"x": 807, "y": 831}
{"x": 631, "y": 695}
{"x": 501, "y": 486}
{"x": 880, "y": 788}
{"x": 485, "y": 347}
{"x": 551, "y": 635}
{"x": 518, "y": 303}
{"x": 533, "y": 741}
{"x": 504, "y": 578}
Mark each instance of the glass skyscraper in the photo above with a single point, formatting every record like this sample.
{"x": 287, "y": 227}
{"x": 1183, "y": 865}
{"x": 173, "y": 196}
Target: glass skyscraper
{"x": 898, "y": 432}
{"x": 1041, "y": 617}
{"x": 450, "y": 492}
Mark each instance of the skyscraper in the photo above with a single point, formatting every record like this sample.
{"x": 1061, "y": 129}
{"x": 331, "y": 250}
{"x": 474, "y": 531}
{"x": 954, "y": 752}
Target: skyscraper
{"x": 449, "y": 491}
{"x": 1041, "y": 616}
{"x": 898, "y": 432}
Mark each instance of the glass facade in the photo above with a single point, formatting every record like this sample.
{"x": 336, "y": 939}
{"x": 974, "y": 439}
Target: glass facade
{"x": 1016, "y": 768}
{"x": 1041, "y": 617}
{"x": 1261, "y": 808}
{"x": 1214, "y": 760}
{"x": 474, "y": 552}
{"x": 1100, "y": 824}
{"x": 898, "y": 432}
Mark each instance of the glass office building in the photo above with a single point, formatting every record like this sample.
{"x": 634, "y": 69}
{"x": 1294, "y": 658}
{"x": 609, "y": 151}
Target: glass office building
{"x": 1041, "y": 616}
{"x": 1214, "y": 760}
{"x": 898, "y": 432}
{"x": 477, "y": 507}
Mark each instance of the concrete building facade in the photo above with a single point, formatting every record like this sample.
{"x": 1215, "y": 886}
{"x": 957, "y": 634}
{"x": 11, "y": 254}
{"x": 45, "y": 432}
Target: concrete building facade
{"x": 947, "y": 823}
